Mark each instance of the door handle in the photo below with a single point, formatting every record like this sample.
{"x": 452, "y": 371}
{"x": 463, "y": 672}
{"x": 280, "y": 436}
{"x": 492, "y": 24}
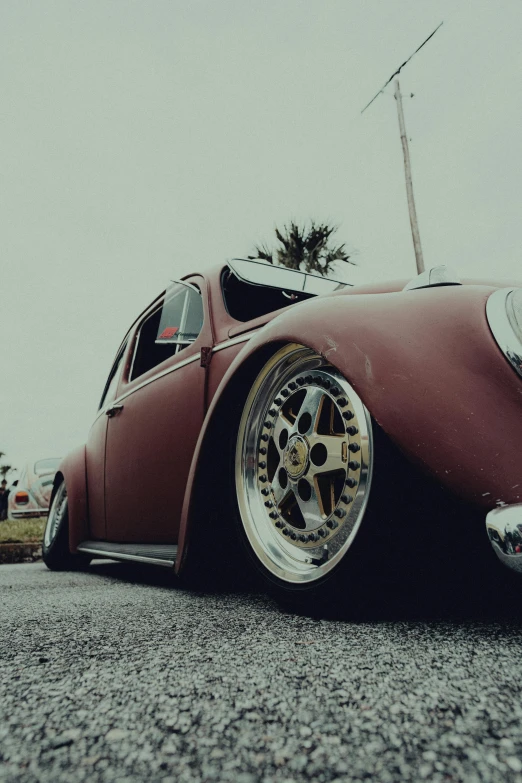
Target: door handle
{"x": 113, "y": 410}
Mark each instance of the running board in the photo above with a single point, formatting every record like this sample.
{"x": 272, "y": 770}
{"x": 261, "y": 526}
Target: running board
{"x": 155, "y": 554}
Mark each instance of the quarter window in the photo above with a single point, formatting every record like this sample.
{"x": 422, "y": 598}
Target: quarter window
{"x": 170, "y": 329}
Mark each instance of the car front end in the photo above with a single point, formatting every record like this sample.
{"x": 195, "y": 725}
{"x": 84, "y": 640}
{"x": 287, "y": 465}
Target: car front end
{"x": 504, "y": 524}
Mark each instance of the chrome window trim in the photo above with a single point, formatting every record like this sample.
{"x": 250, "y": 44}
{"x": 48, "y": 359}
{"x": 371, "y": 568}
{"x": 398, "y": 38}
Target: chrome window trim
{"x": 502, "y": 330}
{"x": 178, "y": 343}
{"x": 196, "y": 357}
{"x": 119, "y": 364}
{"x": 242, "y": 338}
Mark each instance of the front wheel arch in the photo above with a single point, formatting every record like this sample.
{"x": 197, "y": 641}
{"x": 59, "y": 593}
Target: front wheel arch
{"x": 208, "y": 489}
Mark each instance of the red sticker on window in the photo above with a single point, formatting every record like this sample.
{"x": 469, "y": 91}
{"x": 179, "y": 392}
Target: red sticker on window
{"x": 167, "y": 333}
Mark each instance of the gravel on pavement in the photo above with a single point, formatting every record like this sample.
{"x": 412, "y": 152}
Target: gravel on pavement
{"x": 117, "y": 675}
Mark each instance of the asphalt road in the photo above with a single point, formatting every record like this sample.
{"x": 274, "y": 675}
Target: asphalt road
{"x": 117, "y": 675}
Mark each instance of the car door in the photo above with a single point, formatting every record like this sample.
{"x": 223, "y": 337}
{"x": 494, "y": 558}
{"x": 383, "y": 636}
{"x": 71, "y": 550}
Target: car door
{"x": 95, "y": 450}
{"x": 153, "y": 429}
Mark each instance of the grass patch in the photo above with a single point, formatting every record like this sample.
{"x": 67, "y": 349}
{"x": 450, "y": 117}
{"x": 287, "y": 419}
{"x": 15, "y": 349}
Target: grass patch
{"x": 22, "y": 531}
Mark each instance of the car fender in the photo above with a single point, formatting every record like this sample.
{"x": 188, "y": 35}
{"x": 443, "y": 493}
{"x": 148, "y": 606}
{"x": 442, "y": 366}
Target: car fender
{"x": 426, "y": 366}
{"x": 72, "y": 470}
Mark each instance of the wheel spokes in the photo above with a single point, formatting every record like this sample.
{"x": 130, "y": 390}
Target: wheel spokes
{"x": 311, "y": 509}
{"x": 281, "y": 426}
{"x": 328, "y": 453}
{"x": 279, "y": 490}
{"x": 309, "y": 412}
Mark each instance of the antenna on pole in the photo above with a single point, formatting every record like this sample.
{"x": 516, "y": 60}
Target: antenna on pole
{"x": 406, "y": 153}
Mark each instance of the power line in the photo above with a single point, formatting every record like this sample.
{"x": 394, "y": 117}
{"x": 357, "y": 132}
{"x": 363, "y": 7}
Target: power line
{"x": 399, "y": 69}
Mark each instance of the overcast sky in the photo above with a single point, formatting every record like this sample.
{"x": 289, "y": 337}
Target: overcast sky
{"x": 140, "y": 141}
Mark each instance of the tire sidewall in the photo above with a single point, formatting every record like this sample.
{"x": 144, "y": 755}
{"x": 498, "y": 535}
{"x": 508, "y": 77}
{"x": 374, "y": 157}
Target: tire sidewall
{"x": 57, "y": 555}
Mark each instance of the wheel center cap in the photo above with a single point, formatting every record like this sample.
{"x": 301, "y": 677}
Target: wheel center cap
{"x": 295, "y": 458}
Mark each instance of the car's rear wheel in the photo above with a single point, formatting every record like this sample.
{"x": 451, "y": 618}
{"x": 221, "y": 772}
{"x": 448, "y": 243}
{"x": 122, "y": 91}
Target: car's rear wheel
{"x": 55, "y": 545}
{"x": 304, "y": 464}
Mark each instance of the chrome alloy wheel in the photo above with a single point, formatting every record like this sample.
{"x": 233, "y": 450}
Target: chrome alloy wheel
{"x": 56, "y": 514}
{"x": 303, "y": 465}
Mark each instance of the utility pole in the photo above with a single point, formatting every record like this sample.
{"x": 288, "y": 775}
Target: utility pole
{"x": 409, "y": 184}
{"x": 419, "y": 260}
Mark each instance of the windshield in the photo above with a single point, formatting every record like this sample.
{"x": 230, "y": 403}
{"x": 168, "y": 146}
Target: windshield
{"x": 261, "y": 273}
{"x": 44, "y": 466}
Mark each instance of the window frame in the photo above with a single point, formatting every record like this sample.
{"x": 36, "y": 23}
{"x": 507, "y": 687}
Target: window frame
{"x": 180, "y": 344}
{"x": 116, "y": 369}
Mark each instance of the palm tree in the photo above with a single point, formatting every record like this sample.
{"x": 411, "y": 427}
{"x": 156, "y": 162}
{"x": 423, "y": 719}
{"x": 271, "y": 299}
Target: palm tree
{"x": 305, "y": 248}
{"x": 5, "y": 469}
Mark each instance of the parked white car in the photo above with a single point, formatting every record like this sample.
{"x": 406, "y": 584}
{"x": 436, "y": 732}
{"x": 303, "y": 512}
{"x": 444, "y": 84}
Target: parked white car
{"x": 32, "y": 493}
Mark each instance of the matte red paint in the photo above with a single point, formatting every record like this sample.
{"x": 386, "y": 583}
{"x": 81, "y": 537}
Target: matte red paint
{"x": 424, "y": 362}
{"x": 428, "y": 369}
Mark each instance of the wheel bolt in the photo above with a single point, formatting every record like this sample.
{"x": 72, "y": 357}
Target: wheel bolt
{"x": 262, "y": 450}
{"x": 278, "y": 400}
{"x": 342, "y": 401}
{"x": 352, "y": 430}
{"x": 292, "y": 385}
{"x": 262, "y": 465}
{"x": 285, "y": 393}
{"x": 334, "y": 391}
{"x": 262, "y": 478}
{"x": 350, "y": 482}
{"x": 285, "y": 531}
{"x": 313, "y": 537}
{"x": 327, "y": 383}
{"x": 265, "y": 491}
{"x": 322, "y": 532}
{"x": 332, "y": 524}
{"x": 293, "y": 536}
{"x": 300, "y": 380}
{"x": 340, "y": 512}
{"x": 309, "y": 379}
{"x": 264, "y": 437}
{"x": 347, "y": 415}
{"x": 268, "y": 503}
{"x": 273, "y": 515}
{"x": 302, "y": 537}
{"x": 354, "y": 447}
{"x": 279, "y": 524}
{"x": 354, "y": 465}
{"x": 346, "y": 499}
{"x": 272, "y": 412}
{"x": 268, "y": 425}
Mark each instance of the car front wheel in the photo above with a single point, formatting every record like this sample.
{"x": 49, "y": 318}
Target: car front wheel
{"x": 303, "y": 472}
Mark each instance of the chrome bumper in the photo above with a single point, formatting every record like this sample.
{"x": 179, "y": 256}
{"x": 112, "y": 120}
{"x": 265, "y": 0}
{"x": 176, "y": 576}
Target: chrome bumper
{"x": 25, "y": 514}
{"x": 504, "y": 528}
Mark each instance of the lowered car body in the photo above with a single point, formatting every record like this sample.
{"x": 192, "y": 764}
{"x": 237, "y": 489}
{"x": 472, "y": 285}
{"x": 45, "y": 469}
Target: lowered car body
{"x": 298, "y": 373}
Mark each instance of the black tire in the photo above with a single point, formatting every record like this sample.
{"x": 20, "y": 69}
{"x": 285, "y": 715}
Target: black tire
{"x": 411, "y": 538}
{"x": 55, "y": 545}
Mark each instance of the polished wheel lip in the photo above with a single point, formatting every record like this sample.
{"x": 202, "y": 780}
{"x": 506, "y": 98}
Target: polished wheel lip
{"x": 504, "y": 529}
{"x": 56, "y": 512}
{"x": 498, "y": 320}
{"x": 293, "y": 562}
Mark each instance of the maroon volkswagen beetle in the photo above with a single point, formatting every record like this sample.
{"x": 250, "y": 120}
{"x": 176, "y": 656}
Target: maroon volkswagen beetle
{"x": 291, "y": 419}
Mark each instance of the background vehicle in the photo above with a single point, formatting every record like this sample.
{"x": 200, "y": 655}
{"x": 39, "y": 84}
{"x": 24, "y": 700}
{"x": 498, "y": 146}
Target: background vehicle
{"x": 31, "y": 496}
{"x": 329, "y": 428}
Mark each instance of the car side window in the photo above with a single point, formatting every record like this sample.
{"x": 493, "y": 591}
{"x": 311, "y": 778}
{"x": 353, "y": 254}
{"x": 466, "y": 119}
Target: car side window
{"x": 109, "y": 393}
{"x": 170, "y": 328}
